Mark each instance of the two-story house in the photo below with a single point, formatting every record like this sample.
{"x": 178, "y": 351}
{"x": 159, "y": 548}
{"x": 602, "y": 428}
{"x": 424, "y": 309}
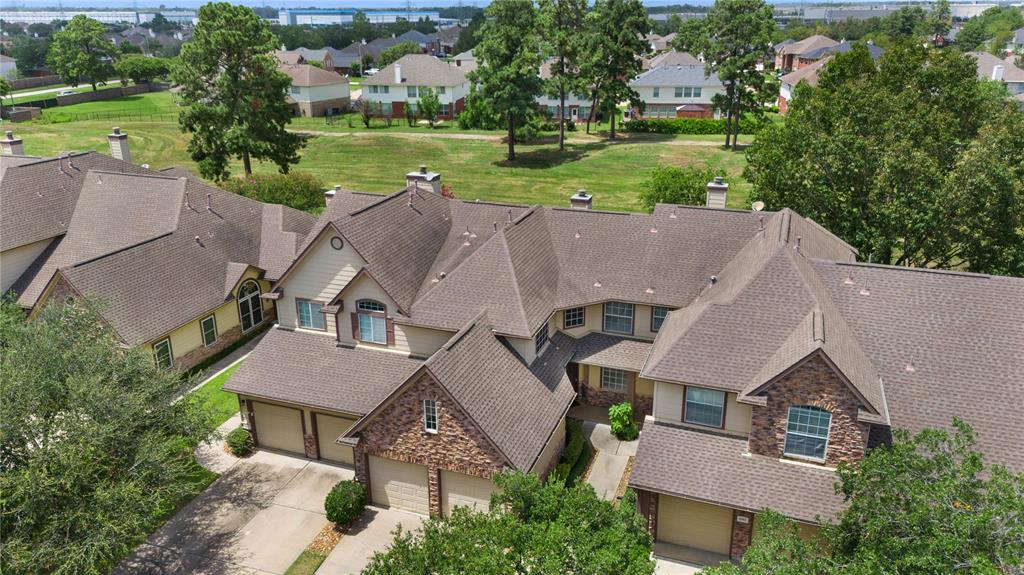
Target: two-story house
{"x": 431, "y": 342}
{"x": 577, "y": 105}
{"x": 315, "y": 91}
{"x": 676, "y": 91}
{"x": 401, "y": 83}
{"x": 796, "y": 55}
{"x": 175, "y": 265}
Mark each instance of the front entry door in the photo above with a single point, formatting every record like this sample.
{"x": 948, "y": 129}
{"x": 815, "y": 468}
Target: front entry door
{"x": 572, "y": 369}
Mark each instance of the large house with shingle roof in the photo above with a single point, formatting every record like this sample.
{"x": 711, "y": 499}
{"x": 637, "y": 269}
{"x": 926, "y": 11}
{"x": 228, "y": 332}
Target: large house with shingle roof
{"x": 431, "y": 343}
{"x": 676, "y": 86}
{"x": 796, "y": 55}
{"x": 400, "y": 84}
{"x": 174, "y": 264}
{"x": 315, "y": 91}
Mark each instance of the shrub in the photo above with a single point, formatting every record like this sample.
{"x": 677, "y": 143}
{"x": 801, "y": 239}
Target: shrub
{"x": 671, "y": 185}
{"x": 296, "y": 190}
{"x": 574, "y": 441}
{"x": 239, "y": 442}
{"x": 684, "y": 126}
{"x": 623, "y": 426}
{"x": 345, "y": 502}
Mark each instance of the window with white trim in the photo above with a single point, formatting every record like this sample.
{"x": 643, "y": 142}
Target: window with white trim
{"x": 807, "y": 432}
{"x": 440, "y": 89}
{"x": 540, "y": 338}
{"x": 657, "y": 91}
{"x": 250, "y": 310}
{"x": 374, "y": 89}
{"x": 412, "y": 91}
{"x": 704, "y": 407}
{"x": 618, "y": 317}
{"x": 295, "y": 90}
{"x": 679, "y": 92}
{"x": 575, "y": 317}
{"x": 613, "y": 379}
{"x": 372, "y": 321}
{"x": 310, "y": 316}
{"x": 162, "y": 354}
{"x": 385, "y": 89}
{"x": 658, "y": 315}
{"x": 429, "y": 416}
{"x": 209, "y": 328}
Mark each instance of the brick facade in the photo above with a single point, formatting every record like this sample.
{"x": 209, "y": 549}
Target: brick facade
{"x": 397, "y": 433}
{"x": 741, "y": 533}
{"x": 812, "y": 383}
{"x": 647, "y": 507}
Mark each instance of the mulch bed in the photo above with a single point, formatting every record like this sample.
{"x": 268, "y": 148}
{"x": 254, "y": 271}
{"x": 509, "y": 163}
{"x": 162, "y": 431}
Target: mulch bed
{"x": 621, "y": 490}
{"x": 328, "y": 537}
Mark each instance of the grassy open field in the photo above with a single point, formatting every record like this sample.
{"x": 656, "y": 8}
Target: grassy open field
{"x": 20, "y": 97}
{"x": 377, "y": 160}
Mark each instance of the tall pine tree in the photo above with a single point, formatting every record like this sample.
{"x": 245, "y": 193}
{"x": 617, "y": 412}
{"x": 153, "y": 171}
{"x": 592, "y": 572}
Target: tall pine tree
{"x": 615, "y": 48}
{"x": 562, "y": 25}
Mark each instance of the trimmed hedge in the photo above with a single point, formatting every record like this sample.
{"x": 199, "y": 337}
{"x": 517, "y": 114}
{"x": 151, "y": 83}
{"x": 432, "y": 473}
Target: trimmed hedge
{"x": 239, "y": 442}
{"x": 683, "y": 126}
{"x": 345, "y": 502}
{"x": 575, "y": 456}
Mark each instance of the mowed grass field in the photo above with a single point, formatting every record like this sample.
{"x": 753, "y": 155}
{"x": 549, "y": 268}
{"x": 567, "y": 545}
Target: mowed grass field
{"x": 377, "y": 162}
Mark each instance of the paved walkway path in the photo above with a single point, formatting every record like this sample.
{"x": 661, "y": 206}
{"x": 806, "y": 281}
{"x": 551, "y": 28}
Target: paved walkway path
{"x": 624, "y": 139}
{"x": 612, "y": 457}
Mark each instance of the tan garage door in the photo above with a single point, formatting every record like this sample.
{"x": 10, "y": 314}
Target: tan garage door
{"x": 279, "y": 427}
{"x": 697, "y": 525}
{"x": 330, "y": 428}
{"x": 399, "y": 484}
{"x": 458, "y": 489}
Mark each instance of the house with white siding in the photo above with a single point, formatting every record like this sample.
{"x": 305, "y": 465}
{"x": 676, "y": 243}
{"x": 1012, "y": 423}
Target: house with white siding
{"x": 402, "y": 82}
{"x": 676, "y": 91}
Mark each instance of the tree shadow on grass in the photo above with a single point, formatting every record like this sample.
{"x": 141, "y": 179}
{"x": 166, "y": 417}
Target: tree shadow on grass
{"x": 542, "y": 159}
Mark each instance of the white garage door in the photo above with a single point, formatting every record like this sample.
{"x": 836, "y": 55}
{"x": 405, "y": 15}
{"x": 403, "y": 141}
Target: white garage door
{"x": 465, "y": 490}
{"x": 697, "y": 525}
{"x": 330, "y": 428}
{"x": 279, "y": 427}
{"x": 399, "y": 484}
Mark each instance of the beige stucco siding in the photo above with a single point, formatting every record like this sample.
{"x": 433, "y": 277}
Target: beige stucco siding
{"x": 321, "y": 273}
{"x": 594, "y": 322}
{"x": 552, "y": 451}
{"x": 14, "y": 262}
{"x": 668, "y": 406}
{"x": 524, "y": 347}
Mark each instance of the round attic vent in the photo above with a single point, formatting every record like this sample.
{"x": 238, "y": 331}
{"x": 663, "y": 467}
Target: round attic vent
{"x": 337, "y": 243}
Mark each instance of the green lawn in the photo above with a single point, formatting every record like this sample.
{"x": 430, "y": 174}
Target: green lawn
{"x": 307, "y": 563}
{"x": 222, "y": 403}
{"x": 82, "y": 88}
{"x": 476, "y": 169}
{"x": 151, "y": 106}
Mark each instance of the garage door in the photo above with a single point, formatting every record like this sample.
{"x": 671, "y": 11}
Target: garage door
{"x": 279, "y": 427}
{"x": 399, "y": 484}
{"x": 330, "y": 428}
{"x": 458, "y": 489}
{"x": 692, "y": 524}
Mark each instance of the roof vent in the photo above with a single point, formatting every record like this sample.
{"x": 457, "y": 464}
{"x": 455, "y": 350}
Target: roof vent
{"x": 714, "y": 280}
{"x": 649, "y": 291}
{"x": 910, "y": 366}
{"x": 597, "y": 283}
{"x": 865, "y": 290}
{"x": 849, "y": 279}
{"x": 209, "y": 205}
{"x": 581, "y": 200}
{"x": 673, "y": 215}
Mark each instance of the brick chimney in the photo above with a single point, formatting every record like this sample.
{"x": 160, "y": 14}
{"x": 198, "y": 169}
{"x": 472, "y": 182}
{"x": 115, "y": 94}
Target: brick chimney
{"x": 717, "y": 192}
{"x": 424, "y": 180}
{"x": 11, "y": 146}
{"x": 119, "y": 145}
{"x": 581, "y": 200}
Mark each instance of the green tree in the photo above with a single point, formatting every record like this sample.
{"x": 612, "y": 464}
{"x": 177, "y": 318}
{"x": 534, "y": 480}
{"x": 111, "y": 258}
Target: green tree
{"x": 509, "y": 54}
{"x": 142, "y": 69}
{"x": 429, "y": 105}
{"x": 531, "y": 528}
{"x": 778, "y": 548}
{"x": 671, "y": 185}
{"x": 470, "y": 35}
{"x": 878, "y": 156}
{"x": 562, "y": 25}
{"x": 742, "y": 39}
{"x": 94, "y": 451}
{"x": 80, "y": 51}
{"x": 161, "y": 25}
{"x": 940, "y": 20}
{"x": 236, "y": 95}
{"x": 907, "y": 22}
{"x": 395, "y": 52}
{"x": 692, "y": 37}
{"x": 297, "y": 190}
{"x": 5, "y": 90}
{"x": 29, "y": 52}
{"x": 615, "y": 46}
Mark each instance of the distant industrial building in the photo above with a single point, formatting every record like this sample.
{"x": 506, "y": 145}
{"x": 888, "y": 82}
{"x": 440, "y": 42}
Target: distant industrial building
{"x": 327, "y": 17}
{"x": 105, "y": 16}
{"x": 823, "y": 13}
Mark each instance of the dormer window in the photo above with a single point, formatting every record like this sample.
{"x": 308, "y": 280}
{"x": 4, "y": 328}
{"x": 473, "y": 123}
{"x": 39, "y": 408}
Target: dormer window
{"x": 807, "y": 432}
{"x": 372, "y": 321}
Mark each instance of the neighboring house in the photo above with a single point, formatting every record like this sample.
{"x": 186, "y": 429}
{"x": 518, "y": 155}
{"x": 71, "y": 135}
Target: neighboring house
{"x": 325, "y": 56}
{"x": 1017, "y": 41}
{"x": 177, "y": 266}
{"x": 431, "y": 343}
{"x": 424, "y": 41}
{"x": 809, "y": 73}
{"x": 8, "y": 67}
{"x": 795, "y": 55}
{"x": 811, "y": 56}
{"x": 676, "y": 91}
{"x": 577, "y": 106}
{"x": 660, "y": 43}
{"x": 356, "y": 51}
{"x": 316, "y": 92}
{"x": 993, "y": 68}
{"x": 671, "y": 58}
{"x": 401, "y": 82}
{"x": 465, "y": 60}
{"x": 446, "y": 39}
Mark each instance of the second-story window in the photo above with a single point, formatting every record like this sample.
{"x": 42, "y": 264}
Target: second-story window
{"x": 704, "y": 407}
{"x": 440, "y": 90}
{"x": 310, "y": 316}
{"x": 658, "y": 315}
{"x": 429, "y": 416}
{"x": 575, "y": 317}
{"x": 657, "y": 92}
{"x": 374, "y": 89}
{"x": 618, "y": 317}
{"x": 679, "y": 92}
{"x": 540, "y": 338}
{"x": 372, "y": 321}
{"x": 807, "y": 432}
{"x": 412, "y": 91}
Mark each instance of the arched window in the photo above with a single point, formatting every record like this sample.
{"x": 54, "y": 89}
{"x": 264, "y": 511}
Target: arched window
{"x": 372, "y": 321}
{"x": 807, "y": 432}
{"x": 250, "y": 310}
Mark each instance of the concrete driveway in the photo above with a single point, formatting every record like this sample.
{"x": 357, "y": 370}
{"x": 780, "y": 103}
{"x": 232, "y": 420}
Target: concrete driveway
{"x": 254, "y": 520}
{"x": 373, "y": 532}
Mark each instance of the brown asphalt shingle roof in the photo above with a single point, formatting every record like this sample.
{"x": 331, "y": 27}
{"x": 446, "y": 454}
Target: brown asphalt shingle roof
{"x": 808, "y": 44}
{"x": 718, "y": 469}
{"x": 307, "y": 75}
{"x": 313, "y": 370}
{"x": 419, "y": 70}
{"x": 612, "y": 351}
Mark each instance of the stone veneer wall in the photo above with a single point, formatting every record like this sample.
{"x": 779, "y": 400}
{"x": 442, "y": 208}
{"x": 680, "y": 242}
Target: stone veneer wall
{"x": 397, "y": 433}
{"x": 591, "y": 394}
{"x": 741, "y": 533}
{"x": 224, "y": 339}
{"x": 813, "y": 383}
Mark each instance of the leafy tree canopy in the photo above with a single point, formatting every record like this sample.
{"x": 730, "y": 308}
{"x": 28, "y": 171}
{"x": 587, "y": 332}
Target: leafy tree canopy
{"x": 562, "y": 24}
{"x": 925, "y": 505}
{"x": 891, "y": 160}
{"x": 470, "y": 35}
{"x": 995, "y": 24}
{"x": 94, "y": 451}
{"x": 395, "y": 52}
{"x": 142, "y": 69}
{"x": 236, "y": 95}
{"x": 29, "y": 52}
{"x": 531, "y": 528}
{"x": 80, "y": 51}
{"x": 672, "y": 185}
{"x": 429, "y": 105}
{"x": 615, "y": 47}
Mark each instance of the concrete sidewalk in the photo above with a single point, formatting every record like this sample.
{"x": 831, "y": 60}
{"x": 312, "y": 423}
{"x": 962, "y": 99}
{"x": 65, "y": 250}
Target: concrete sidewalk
{"x": 611, "y": 460}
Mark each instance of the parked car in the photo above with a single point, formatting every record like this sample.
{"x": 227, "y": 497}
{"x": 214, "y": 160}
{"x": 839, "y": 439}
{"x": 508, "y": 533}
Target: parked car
{"x": 370, "y": 72}
{"x": 66, "y": 92}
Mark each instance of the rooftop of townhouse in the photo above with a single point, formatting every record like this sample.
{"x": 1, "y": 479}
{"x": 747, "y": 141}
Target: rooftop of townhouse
{"x": 418, "y": 70}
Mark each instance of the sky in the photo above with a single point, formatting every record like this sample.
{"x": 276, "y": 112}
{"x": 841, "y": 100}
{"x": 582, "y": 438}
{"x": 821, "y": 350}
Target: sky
{"x": 365, "y": 4}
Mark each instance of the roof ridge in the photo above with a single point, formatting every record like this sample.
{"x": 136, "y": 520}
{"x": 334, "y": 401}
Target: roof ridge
{"x": 515, "y": 279}
{"x": 154, "y": 175}
{"x": 382, "y": 200}
{"x": 975, "y": 275}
